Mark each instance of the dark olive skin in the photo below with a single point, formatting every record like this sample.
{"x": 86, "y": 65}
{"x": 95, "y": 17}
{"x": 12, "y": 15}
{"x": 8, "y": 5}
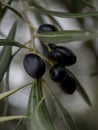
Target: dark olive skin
{"x": 63, "y": 56}
{"x": 34, "y": 65}
{"x": 57, "y": 73}
{"x": 47, "y": 28}
{"x": 68, "y": 84}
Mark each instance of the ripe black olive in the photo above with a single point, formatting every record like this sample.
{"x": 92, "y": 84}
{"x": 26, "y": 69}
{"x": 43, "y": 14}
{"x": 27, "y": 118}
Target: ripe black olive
{"x": 47, "y": 28}
{"x": 57, "y": 73}
{"x": 68, "y": 84}
{"x": 34, "y": 65}
{"x": 63, "y": 56}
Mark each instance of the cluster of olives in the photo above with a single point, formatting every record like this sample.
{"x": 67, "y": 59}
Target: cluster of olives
{"x": 62, "y": 56}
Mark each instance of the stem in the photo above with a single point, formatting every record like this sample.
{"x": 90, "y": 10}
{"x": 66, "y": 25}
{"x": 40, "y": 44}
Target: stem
{"x": 31, "y": 27}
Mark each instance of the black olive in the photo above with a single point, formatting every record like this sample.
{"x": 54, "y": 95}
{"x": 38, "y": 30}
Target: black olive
{"x": 57, "y": 73}
{"x": 47, "y": 28}
{"x": 68, "y": 84}
{"x": 34, "y": 65}
{"x": 63, "y": 56}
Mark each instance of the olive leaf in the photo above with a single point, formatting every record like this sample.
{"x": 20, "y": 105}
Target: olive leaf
{"x": 55, "y": 22}
{"x": 10, "y": 92}
{"x": 88, "y": 3}
{"x": 37, "y": 114}
{"x": 75, "y": 5}
{"x": 9, "y": 118}
{"x": 82, "y": 91}
{"x": 5, "y": 59}
{"x": 11, "y": 8}
{"x": 63, "y": 14}
{"x": 6, "y": 53}
{"x": 3, "y": 10}
{"x": 67, "y": 36}
{"x": 40, "y": 18}
{"x": 69, "y": 123}
{"x": 5, "y": 42}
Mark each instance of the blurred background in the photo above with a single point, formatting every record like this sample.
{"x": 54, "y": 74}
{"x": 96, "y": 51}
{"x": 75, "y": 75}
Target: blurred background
{"x": 86, "y": 117}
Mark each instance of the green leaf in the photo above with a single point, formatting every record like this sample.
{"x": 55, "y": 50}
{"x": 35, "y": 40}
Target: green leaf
{"x": 6, "y": 53}
{"x": 88, "y": 3}
{"x": 5, "y": 59}
{"x": 82, "y": 91}
{"x": 66, "y": 116}
{"x": 37, "y": 115}
{"x": 9, "y": 118}
{"x": 69, "y": 123}
{"x": 4, "y": 9}
{"x": 5, "y": 42}
{"x": 2, "y": 12}
{"x": 64, "y": 14}
{"x": 74, "y": 5}
{"x": 11, "y": 8}
{"x": 10, "y": 92}
{"x": 67, "y": 36}
{"x": 55, "y": 22}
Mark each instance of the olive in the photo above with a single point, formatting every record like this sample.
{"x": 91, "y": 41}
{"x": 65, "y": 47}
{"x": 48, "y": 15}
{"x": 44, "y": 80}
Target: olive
{"x": 68, "y": 84}
{"x": 34, "y": 65}
{"x": 47, "y": 28}
{"x": 63, "y": 56}
{"x": 57, "y": 73}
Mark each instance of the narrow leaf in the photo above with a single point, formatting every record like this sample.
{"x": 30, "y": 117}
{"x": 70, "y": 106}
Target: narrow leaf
{"x": 4, "y": 10}
{"x": 88, "y": 3}
{"x": 5, "y": 42}
{"x": 11, "y": 8}
{"x": 6, "y": 53}
{"x": 55, "y": 22}
{"x": 37, "y": 116}
{"x": 5, "y": 59}
{"x": 69, "y": 123}
{"x": 82, "y": 91}
{"x": 9, "y": 118}
{"x": 10, "y": 92}
{"x": 42, "y": 113}
{"x": 66, "y": 116}
{"x": 64, "y": 14}
{"x": 67, "y": 36}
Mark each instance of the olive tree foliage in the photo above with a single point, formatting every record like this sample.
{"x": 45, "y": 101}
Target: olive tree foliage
{"x": 28, "y": 103}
